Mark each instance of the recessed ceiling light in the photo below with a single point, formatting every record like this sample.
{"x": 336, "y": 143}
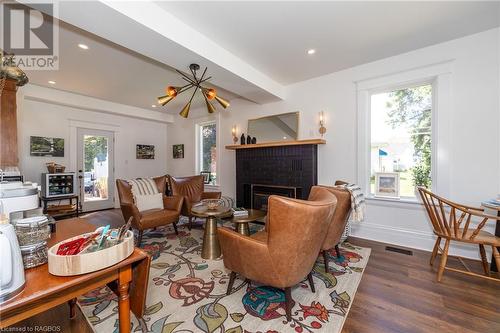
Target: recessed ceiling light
{"x": 311, "y": 51}
{"x": 83, "y": 46}
{"x": 153, "y": 106}
{"x": 52, "y": 82}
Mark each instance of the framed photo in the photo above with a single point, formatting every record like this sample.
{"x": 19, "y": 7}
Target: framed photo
{"x": 43, "y": 146}
{"x": 145, "y": 152}
{"x": 206, "y": 176}
{"x": 387, "y": 184}
{"x": 178, "y": 151}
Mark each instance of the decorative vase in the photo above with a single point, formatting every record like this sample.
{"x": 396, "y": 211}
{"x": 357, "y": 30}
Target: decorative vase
{"x": 242, "y": 139}
{"x": 249, "y": 139}
{"x": 254, "y": 140}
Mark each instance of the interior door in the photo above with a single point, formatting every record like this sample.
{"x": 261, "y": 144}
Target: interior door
{"x": 95, "y": 162}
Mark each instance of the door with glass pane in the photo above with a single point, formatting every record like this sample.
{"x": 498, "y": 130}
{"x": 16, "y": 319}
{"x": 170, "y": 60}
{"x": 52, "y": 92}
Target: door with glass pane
{"x": 96, "y": 169}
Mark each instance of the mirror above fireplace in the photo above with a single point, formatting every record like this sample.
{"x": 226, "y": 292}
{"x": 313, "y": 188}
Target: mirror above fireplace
{"x": 280, "y": 127}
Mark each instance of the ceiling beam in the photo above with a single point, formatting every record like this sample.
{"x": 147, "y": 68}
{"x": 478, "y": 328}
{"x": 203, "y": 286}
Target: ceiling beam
{"x": 54, "y": 96}
{"x": 146, "y": 28}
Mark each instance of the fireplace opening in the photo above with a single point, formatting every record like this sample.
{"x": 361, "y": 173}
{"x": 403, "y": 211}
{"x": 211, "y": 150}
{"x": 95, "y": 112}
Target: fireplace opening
{"x": 257, "y": 195}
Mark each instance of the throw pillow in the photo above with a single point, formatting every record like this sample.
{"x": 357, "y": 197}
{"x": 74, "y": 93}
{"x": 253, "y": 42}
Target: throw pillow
{"x": 149, "y": 201}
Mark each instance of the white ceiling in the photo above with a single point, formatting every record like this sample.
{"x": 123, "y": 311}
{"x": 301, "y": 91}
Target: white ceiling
{"x": 274, "y": 36}
{"x": 114, "y": 73}
{"x": 251, "y": 48}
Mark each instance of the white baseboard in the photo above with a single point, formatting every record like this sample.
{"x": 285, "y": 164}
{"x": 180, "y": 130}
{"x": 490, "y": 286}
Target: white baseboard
{"x": 411, "y": 238}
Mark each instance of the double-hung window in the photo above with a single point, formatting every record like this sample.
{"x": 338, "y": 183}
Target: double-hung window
{"x": 400, "y": 155}
{"x": 207, "y": 150}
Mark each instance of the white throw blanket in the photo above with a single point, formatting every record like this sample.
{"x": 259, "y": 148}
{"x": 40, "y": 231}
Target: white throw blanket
{"x": 357, "y": 202}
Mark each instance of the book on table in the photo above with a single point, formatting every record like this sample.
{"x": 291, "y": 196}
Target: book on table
{"x": 240, "y": 211}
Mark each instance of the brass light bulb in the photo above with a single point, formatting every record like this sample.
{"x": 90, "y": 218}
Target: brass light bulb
{"x": 171, "y": 91}
{"x": 211, "y": 93}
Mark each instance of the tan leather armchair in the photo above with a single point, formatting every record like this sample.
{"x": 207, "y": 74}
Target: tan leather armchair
{"x": 339, "y": 220}
{"x": 285, "y": 253}
{"x": 192, "y": 189}
{"x": 150, "y": 218}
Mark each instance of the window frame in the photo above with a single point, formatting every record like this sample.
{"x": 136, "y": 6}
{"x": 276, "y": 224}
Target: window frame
{"x": 439, "y": 77}
{"x": 388, "y": 90}
{"x": 199, "y": 152}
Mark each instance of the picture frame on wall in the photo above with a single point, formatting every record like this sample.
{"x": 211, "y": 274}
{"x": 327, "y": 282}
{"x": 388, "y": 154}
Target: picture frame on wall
{"x": 178, "y": 151}
{"x": 145, "y": 152}
{"x": 45, "y": 146}
{"x": 387, "y": 184}
{"x": 207, "y": 175}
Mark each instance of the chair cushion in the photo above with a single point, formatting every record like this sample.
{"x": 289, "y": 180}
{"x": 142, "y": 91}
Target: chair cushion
{"x": 149, "y": 201}
{"x": 157, "y": 217}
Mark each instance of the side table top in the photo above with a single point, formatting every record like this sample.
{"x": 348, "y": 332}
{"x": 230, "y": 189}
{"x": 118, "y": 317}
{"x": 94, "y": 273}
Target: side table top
{"x": 40, "y": 283}
{"x": 203, "y": 211}
{"x": 253, "y": 215}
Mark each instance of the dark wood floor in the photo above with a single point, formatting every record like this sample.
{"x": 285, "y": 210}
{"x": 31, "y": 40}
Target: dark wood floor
{"x": 398, "y": 293}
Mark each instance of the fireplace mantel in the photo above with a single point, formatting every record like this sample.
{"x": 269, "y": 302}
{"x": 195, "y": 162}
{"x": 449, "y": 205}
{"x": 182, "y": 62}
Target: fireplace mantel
{"x": 278, "y": 144}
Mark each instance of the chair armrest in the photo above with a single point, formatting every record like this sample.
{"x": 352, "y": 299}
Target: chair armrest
{"x": 173, "y": 202}
{"x": 474, "y": 212}
{"x": 479, "y": 209}
{"x": 211, "y": 195}
{"x": 129, "y": 210}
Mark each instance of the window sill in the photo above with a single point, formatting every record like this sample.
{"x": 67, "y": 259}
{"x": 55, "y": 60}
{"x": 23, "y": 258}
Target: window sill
{"x": 394, "y": 202}
{"x": 212, "y": 188}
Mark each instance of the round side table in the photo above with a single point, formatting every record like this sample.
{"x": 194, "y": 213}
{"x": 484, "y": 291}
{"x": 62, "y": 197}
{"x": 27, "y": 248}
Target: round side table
{"x": 242, "y": 221}
{"x": 211, "y": 247}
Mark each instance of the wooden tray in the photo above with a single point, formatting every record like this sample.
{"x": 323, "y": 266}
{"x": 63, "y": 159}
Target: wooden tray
{"x": 89, "y": 262}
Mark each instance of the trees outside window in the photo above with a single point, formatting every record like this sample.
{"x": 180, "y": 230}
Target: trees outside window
{"x": 208, "y": 150}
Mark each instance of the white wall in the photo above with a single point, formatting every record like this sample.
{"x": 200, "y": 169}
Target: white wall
{"x": 473, "y": 149}
{"x": 47, "y": 117}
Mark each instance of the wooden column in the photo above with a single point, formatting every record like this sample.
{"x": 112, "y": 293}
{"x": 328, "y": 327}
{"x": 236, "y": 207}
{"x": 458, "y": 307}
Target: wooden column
{"x": 8, "y": 125}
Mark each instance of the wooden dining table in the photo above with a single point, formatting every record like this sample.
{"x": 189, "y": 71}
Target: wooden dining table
{"x": 43, "y": 291}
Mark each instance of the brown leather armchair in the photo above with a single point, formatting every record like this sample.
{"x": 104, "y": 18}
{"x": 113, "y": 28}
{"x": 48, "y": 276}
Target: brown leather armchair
{"x": 339, "y": 220}
{"x": 193, "y": 190}
{"x": 285, "y": 253}
{"x": 151, "y": 218}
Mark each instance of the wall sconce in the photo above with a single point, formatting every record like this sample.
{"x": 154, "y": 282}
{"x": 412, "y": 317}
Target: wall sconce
{"x": 235, "y": 136}
{"x": 322, "y": 128}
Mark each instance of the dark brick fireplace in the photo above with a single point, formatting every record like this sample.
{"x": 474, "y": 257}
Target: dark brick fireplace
{"x": 260, "y": 193}
{"x": 281, "y": 170}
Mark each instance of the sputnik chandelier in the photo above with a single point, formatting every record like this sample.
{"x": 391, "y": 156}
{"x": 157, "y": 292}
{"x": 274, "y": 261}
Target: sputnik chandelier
{"x": 193, "y": 82}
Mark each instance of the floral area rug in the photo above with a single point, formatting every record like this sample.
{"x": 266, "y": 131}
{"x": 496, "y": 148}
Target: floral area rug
{"x": 188, "y": 294}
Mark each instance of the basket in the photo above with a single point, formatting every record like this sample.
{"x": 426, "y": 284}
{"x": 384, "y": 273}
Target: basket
{"x": 55, "y": 168}
{"x": 89, "y": 262}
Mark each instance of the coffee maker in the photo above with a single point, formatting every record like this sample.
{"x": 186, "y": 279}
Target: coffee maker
{"x": 16, "y": 200}
{"x": 12, "y": 279}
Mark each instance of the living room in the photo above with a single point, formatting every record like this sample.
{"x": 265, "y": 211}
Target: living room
{"x": 241, "y": 126}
